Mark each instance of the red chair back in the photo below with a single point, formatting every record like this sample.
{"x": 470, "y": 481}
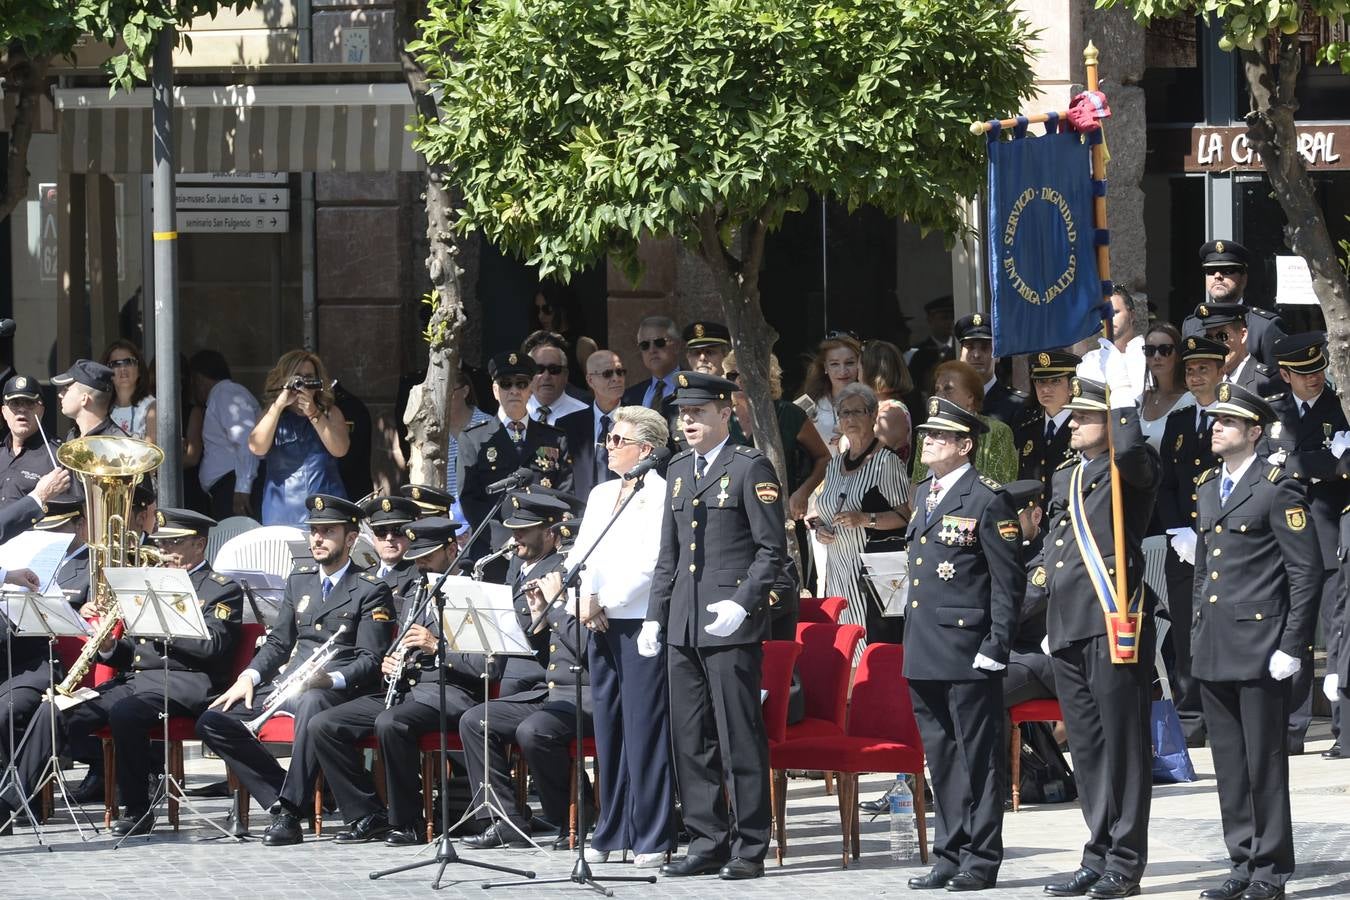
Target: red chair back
{"x": 776, "y": 678}
{"x": 825, "y": 665}
{"x": 821, "y": 609}
{"x": 247, "y": 647}
{"x": 881, "y": 705}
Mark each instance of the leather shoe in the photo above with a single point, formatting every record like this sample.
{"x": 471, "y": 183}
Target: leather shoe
{"x": 932, "y": 881}
{"x": 1230, "y": 890}
{"x": 406, "y": 837}
{"x": 1113, "y": 885}
{"x": 139, "y": 823}
{"x": 89, "y": 790}
{"x": 878, "y": 806}
{"x": 967, "y": 881}
{"x": 364, "y": 830}
{"x": 1262, "y": 890}
{"x": 692, "y": 864}
{"x": 1333, "y": 752}
{"x": 498, "y": 834}
{"x": 284, "y": 830}
{"x": 1076, "y": 886}
{"x": 741, "y": 869}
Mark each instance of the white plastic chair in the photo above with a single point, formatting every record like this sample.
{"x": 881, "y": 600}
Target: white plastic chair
{"x": 363, "y": 553}
{"x": 262, "y": 549}
{"x": 224, "y": 530}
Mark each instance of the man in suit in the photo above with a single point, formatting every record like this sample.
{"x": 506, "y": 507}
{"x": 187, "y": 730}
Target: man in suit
{"x": 659, "y": 343}
{"x": 86, "y": 394}
{"x": 1224, "y": 322}
{"x": 722, "y": 550}
{"x": 549, "y": 401}
{"x": 388, "y": 517}
{"x": 1105, "y": 703}
{"x": 1307, "y": 417}
{"x": 332, "y": 599}
{"x": 938, "y": 347}
{"x": 1225, "y": 265}
{"x": 975, "y": 335}
{"x": 1256, "y": 599}
{"x": 539, "y": 716}
{"x": 1042, "y": 434}
{"x": 588, "y": 430}
{"x": 1185, "y": 455}
{"x": 965, "y": 580}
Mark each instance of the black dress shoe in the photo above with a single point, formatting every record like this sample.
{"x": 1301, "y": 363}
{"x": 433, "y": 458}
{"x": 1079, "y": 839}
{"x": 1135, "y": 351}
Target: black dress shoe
{"x": 693, "y": 864}
{"x": 878, "y": 806}
{"x": 138, "y": 823}
{"x": 498, "y": 834}
{"x": 1113, "y": 885}
{"x": 364, "y": 830}
{"x": 1230, "y": 890}
{"x": 1076, "y": 886}
{"x": 741, "y": 869}
{"x": 406, "y": 837}
{"x": 1333, "y": 752}
{"x": 930, "y": 882}
{"x": 967, "y": 881}
{"x": 90, "y": 790}
{"x": 1262, "y": 890}
{"x": 284, "y": 830}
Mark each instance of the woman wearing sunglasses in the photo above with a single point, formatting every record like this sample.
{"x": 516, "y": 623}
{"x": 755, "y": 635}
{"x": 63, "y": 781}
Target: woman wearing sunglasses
{"x": 1165, "y": 382}
{"x": 133, "y": 409}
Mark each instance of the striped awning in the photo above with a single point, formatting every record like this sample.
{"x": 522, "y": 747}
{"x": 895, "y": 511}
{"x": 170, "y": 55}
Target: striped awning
{"x": 241, "y": 129}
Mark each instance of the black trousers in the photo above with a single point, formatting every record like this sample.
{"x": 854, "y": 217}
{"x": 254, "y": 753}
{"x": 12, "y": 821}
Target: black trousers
{"x": 717, "y": 727}
{"x": 222, "y": 497}
{"x": 258, "y": 771}
{"x": 1030, "y": 676}
{"x": 1251, "y": 766}
{"x": 961, "y": 723}
{"x": 1106, "y": 713}
{"x": 1177, "y": 649}
{"x": 20, "y": 698}
{"x": 543, "y": 729}
{"x": 1302, "y": 684}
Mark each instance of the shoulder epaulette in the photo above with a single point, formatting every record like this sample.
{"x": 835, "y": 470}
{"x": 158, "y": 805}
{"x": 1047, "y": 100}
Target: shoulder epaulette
{"x": 1207, "y": 475}
{"x": 1018, "y": 394}
{"x": 304, "y": 570}
{"x": 371, "y": 578}
{"x": 219, "y": 578}
{"x": 546, "y": 426}
{"x": 480, "y": 424}
{"x": 1071, "y": 461}
{"x": 1274, "y": 398}
{"x": 748, "y": 451}
{"x": 682, "y": 454}
{"x": 1264, "y": 369}
{"x": 1262, "y": 312}
{"x": 1275, "y": 474}
{"x": 990, "y": 483}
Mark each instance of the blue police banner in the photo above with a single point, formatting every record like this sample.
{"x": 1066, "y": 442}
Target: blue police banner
{"x": 1041, "y": 240}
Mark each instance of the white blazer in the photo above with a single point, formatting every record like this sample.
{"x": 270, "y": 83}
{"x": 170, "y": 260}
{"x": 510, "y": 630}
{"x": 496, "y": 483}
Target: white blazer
{"x": 619, "y": 572}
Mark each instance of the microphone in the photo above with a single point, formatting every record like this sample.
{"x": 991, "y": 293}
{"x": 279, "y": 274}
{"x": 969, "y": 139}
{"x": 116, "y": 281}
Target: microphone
{"x": 8, "y": 327}
{"x": 516, "y": 479}
{"x": 657, "y": 458}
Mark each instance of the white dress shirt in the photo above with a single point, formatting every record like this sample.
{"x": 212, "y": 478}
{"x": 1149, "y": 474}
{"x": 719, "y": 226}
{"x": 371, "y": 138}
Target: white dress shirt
{"x": 564, "y": 405}
{"x": 619, "y": 572}
{"x": 231, "y": 412}
{"x": 941, "y": 485}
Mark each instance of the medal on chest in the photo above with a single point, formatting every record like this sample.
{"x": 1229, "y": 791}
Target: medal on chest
{"x": 957, "y": 531}
{"x": 946, "y": 570}
{"x": 722, "y": 495}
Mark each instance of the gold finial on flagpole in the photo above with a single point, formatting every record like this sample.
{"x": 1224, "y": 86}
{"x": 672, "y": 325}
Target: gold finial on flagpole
{"x": 1090, "y": 54}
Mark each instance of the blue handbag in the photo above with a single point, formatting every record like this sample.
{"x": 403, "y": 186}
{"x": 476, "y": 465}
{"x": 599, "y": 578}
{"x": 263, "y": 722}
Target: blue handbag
{"x": 1171, "y": 760}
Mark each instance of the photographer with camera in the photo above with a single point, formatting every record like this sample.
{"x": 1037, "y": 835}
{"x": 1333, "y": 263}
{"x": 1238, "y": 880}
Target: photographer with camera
{"x": 300, "y": 438}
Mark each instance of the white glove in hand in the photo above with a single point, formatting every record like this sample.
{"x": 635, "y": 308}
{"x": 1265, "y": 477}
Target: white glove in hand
{"x": 649, "y": 639}
{"x": 986, "y": 664}
{"x": 1183, "y": 542}
{"x": 1331, "y": 687}
{"x": 730, "y": 615}
{"x": 1045, "y": 645}
{"x": 1340, "y": 442}
{"x": 1283, "y": 666}
{"x": 1278, "y": 457}
{"x": 1116, "y": 374}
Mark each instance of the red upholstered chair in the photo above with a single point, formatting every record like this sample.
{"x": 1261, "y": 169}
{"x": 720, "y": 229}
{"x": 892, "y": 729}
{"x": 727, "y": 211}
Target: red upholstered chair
{"x": 882, "y": 736}
{"x": 68, "y": 650}
{"x": 821, "y": 609}
{"x": 776, "y": 678}
{"x": 1027, "y": 711}
{"x": 825, "y": 667}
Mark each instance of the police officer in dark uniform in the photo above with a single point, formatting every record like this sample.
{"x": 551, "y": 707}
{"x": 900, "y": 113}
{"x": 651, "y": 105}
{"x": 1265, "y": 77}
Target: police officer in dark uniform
{"x": 1223, "y": 322}
{"x": 330, "y": 600}
{"x": 1042, "y": 434}
{"x": 966, "y": 579}
{"x": 975, "y": 335}
{"x": 431, "y": 501}
{"x": 1225, "y": 265}
{"x": 515, "y": 441}
{"x": 1186, "y": 454}
{"x": 723, "y": 547}
{"x": 1257, "y": 585}
{"x": 1307, "y": 416}
{"x": 1336, "y": 683}
{"x": 86, "y": 394}
{"x": 540, "y": 716}
{"x": 388, "y": 517}
{"x": 24, "y": 458}
{"x": 1031, "y": 671}
{"x": 1106, "y": 704}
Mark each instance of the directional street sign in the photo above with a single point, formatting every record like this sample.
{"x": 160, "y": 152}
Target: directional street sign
{"x": 232, "y": 177}
{"x": 232, "y": 222}
{"x": 231, "y": 197}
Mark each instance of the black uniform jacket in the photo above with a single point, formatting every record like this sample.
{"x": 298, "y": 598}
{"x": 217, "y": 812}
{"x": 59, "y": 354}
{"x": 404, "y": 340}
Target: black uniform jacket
{"x": 1037, "y": 458}
{"x": 402, "y": 580}
{"x": 18, "y": 517}
{"x": 1258, "y": 575}
{"x": 722, "y": 538}
{"x": 1306, "y": 441}
{"x": 463, "y": 671}
{"x": 966, "y": 580}
{"x": 1185, "y": 454}
{"x": 548, "y": 675}
{"x": 1074, "y": 611}
{"x": 1264, "y": 328}
{"x": 360, "y": 601}
{"x": 1005, "y": 404}
{"x": 544, "y": 451}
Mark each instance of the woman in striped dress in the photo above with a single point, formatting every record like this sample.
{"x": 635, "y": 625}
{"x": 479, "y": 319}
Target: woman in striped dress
{"x": 863, "y": 506}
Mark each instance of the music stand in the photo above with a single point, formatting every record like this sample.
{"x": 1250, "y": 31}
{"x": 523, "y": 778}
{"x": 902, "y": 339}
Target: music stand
{"x": 162, "y": 605}
{"x": 888, "y": 574}
{"x": 50, "y": 616}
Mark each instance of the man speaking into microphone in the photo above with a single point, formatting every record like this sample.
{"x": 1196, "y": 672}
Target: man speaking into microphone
{"x": 722, "y": 545}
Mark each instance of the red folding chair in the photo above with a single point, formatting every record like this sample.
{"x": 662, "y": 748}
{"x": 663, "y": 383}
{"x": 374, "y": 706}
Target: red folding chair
{"x": 1027, "y": 711}
{"x": 821, "y": 609}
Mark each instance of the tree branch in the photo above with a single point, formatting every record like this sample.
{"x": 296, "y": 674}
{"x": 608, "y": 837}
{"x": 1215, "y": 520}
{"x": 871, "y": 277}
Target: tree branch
{"x": 27, "y": 78}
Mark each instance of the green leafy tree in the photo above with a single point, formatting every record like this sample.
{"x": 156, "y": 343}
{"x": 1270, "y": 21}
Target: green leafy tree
{"x": 575, "y": 128}
{"x": 1265, "y": 35}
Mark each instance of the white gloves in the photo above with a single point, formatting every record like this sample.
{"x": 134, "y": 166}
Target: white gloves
{"x": 1283, "y": 666}
{"x": 649, "y": 639}
{"x": 1116, "y": 374}
{"x": 730, "y": 615}
{"x": 985, "y": 664}
{"x": 1183, "y": 542}
{"x": 1045, "y": 645}
{"x": 1331, "y": 687}
{"x": 1340, "y": 442}
{"x": 1278, "y": 457}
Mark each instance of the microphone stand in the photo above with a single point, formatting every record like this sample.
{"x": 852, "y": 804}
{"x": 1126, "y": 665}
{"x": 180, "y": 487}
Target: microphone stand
{"x": 581, "y": 870}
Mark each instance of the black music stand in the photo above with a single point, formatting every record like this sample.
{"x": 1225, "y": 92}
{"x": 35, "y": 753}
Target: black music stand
{"x": 11, "y": 773}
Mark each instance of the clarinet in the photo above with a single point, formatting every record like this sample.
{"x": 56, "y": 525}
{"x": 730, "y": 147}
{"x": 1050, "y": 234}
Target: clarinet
{"x": 399, "y": 652}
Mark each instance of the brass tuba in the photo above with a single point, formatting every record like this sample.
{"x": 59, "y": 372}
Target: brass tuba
{"x": 109, "y": 469}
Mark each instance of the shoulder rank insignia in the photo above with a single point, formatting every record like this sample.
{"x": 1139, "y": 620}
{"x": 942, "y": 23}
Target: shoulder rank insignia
{"x": 1207, "y": 475}
{"x": 766, "y": 491}
{"x": 1072, "y": 460}
{"x": 1274, "y": 475}
{"x": 990, "y": 483}
{"x": 480, "y": 424}
{"x": 222, "y": 611}
{"x": 369, "y": 577}
{"x": 219, "y": 578}
{"x": 1296, "y": 518}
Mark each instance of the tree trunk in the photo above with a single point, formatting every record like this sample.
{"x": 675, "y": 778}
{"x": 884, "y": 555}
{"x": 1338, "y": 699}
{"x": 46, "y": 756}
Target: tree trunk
{"x": 25, "y": 77}
{"x": 1270, "y": 128}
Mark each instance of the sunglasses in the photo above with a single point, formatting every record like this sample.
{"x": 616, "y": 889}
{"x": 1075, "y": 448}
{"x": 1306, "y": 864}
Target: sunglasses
{"x": 1222, "y": 337}
{"x": 836, "y": 335}
{"x": 733, "y": 376}
{"x": 607, "y": 374}
{"x": 387, "y": 532}
{"x": 658, "y": 343}
{"x": 175, "y": 543}
{"x": 615, "y": 441}
{"x": 1158, "y": 349}
{"x": 852, "y": 413}
{"x": 513, "y": 384}
{"x": 550, "y": 369}
{"x": 1225, "y": 272}
{"x": 121, "y": 363}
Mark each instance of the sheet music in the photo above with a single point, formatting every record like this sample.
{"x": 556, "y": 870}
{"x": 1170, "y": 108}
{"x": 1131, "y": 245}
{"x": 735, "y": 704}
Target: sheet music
{"x": 481, "y": 618}
{"x": 157, "y": 602}
{"x": 39, "y": 614}
{"x": 41, "y": 551}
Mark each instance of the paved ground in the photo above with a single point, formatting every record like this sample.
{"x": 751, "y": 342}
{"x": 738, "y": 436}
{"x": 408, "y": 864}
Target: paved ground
{"x": 1186, "y": 854}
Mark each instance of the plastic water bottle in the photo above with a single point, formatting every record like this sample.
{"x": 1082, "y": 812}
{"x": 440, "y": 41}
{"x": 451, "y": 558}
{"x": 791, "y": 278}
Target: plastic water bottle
{"x": 904, "y": 836}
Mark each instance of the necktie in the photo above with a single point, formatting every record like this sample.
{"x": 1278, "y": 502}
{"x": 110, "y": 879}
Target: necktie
{"x": 1225, "y": 488}
{"x": 1302, "y": 408}
{"x": 1202, "y": 427}
{"x": 1049, "y": 430}
{"x": 544, "y": 412}
{"x": 602, "y": 454}
{"x": 517, "y": 430}
{"x": 327, "y": 587}
{"x": 929, "y": 504}
{"x": 658, "y": 394}
{"x": 700, "y": 466}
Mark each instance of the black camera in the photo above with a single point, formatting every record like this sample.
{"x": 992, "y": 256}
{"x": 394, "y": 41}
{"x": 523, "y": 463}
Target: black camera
{"x": 301, "y": 383}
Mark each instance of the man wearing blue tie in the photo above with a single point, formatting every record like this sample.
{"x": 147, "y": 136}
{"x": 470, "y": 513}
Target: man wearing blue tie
{"x": 588, "y": 428}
